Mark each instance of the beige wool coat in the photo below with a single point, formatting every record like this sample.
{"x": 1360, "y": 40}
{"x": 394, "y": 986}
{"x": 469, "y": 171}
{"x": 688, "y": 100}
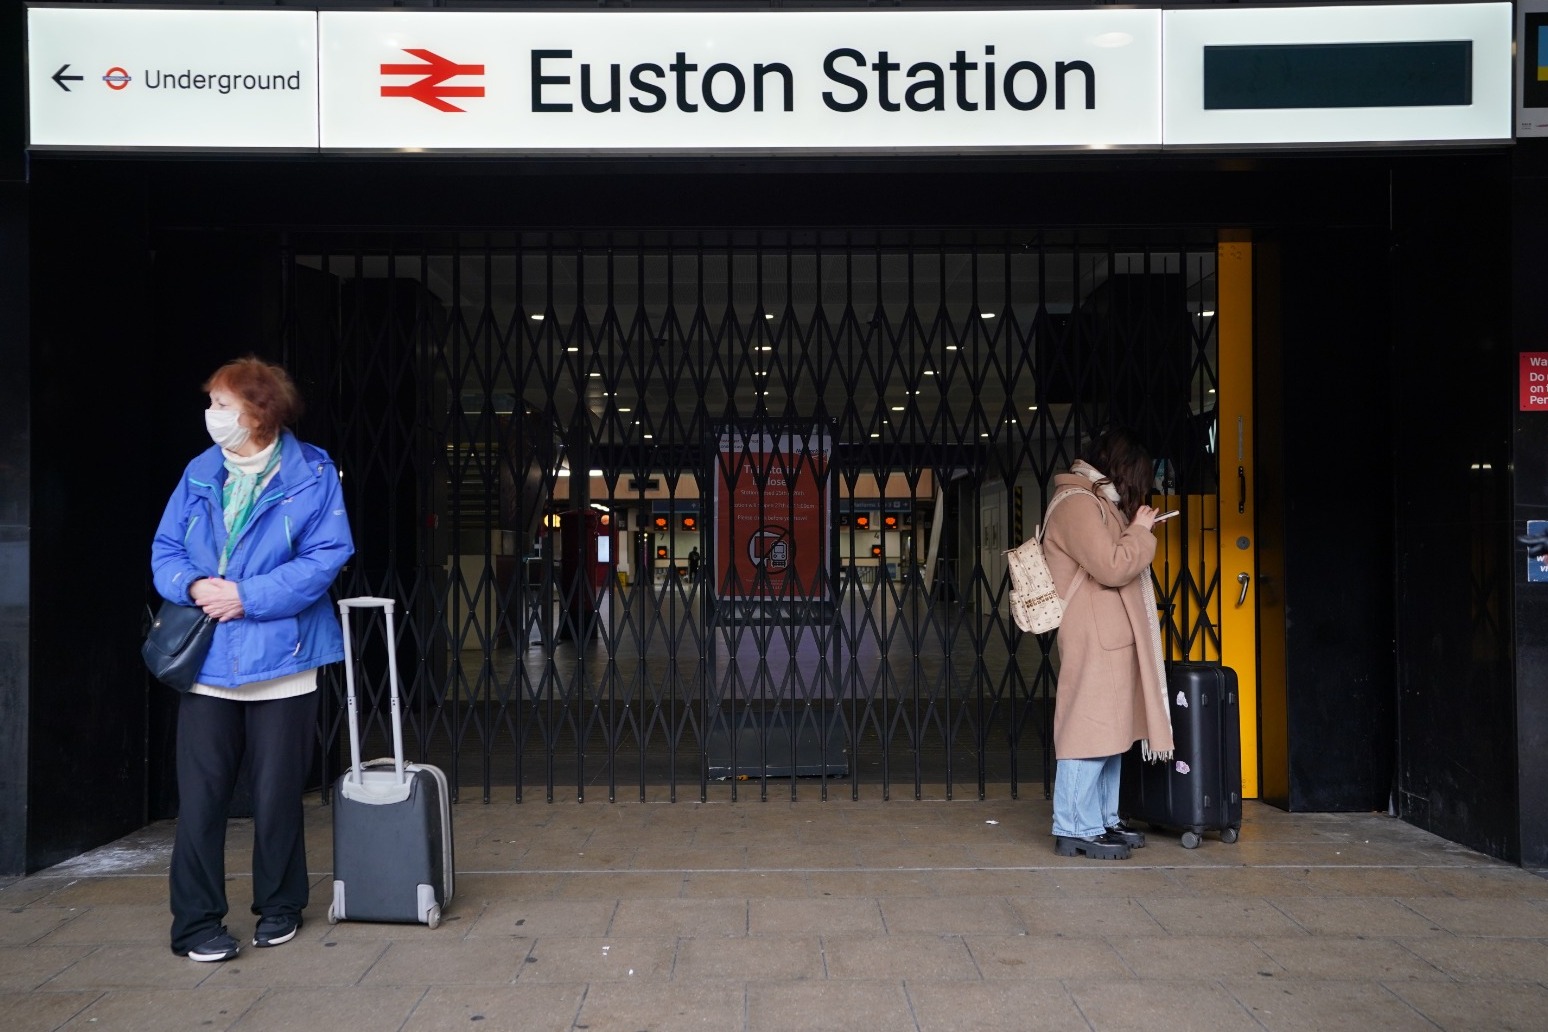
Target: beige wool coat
{"x": 1109, "y": 694}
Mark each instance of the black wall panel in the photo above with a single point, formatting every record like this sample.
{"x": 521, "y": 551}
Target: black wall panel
{"x": 15, "y": 525}
{"x": 1529, "y": 269}
{"x": 1450, "y": 369}
{"x": 94, "y": 392}
{"x": 1324, "y": 470}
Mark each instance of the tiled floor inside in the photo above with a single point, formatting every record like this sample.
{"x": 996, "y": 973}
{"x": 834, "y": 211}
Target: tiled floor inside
{"x": 866, "y": 916}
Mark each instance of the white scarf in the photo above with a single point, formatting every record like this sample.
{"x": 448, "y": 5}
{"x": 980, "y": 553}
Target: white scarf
{"x": 1106, "y": 489}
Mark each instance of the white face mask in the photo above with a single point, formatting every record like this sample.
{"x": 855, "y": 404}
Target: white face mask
{"x": 224, "y": 428}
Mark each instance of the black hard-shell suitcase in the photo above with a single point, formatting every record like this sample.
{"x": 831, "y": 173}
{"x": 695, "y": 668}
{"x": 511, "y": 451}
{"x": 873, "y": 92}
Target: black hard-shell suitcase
{"x": 392, "y": 831}
{"x": 1201, "y": 788}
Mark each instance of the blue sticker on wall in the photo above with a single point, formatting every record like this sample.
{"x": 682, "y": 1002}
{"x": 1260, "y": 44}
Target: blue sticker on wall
{"x": 1537, "y": 566}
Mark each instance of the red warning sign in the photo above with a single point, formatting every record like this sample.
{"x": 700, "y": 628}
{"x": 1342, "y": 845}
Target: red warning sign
{"x": 1534, "y": 381}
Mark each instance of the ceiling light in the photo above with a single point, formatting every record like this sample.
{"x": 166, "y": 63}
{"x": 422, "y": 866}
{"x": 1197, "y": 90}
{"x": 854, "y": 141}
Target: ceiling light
{"x": 571, "y": 350}
{"x": 899, "y": 408}
{"x": 768, "y": 315}
{"x": 1212, "y": 390}
{"x": 1031, "y": 408}
{"x": 983, "y": 435}
{"x": 648, "y": 436}
{"x": 766, "y": 347}
{"x": 986, "y": 315}
{"x": 1208, "y": 313}
{"x": 593, "y": 374}
{"x": 594, "y": 472}
{"x": 536, "y": 317}
{"x": 876, "y": 435}
{"x": 622, "y": 409}
{"x": 952, "y": 347}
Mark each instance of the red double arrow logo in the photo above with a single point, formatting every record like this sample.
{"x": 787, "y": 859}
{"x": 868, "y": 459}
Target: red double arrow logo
{"x": 436, "y": 70}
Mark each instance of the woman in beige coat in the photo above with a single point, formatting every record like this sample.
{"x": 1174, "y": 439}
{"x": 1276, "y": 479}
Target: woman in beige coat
{"x": 1111, "y": 687}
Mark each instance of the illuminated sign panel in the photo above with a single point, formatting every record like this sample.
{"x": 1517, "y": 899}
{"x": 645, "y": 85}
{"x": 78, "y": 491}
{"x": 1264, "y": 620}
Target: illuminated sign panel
{"x": 1532, "y": 66}
{"x": 1332, "y": 75}
{"x": 185, "y": 79}
{"x": 739, "y": 81}
{"x": 773, "y": 81}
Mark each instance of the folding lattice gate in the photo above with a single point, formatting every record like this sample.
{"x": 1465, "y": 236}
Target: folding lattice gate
{"x": 546, "y": 438}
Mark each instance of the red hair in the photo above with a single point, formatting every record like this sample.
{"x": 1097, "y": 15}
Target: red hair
{"x": 266, "y": 390}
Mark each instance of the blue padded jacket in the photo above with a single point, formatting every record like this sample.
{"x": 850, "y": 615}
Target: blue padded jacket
{"x": 284, "y": 561}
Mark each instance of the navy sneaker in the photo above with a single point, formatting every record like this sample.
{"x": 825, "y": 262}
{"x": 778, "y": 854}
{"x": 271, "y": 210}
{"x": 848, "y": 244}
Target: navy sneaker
{"x": 274, "y": 929}
{"x": 217, "y": 947}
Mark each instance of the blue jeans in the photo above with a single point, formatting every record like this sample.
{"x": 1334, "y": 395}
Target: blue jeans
{"x": 1085, "y": 798}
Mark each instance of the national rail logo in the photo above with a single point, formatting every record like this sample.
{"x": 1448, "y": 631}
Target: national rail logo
{"x": 433, "y": 70}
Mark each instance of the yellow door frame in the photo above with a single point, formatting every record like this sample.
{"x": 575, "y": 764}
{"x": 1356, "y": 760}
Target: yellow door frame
{"x": 1238, "y": 538}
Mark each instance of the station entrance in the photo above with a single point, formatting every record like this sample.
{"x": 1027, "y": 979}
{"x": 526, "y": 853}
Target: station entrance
{"x": 701, "y": 514}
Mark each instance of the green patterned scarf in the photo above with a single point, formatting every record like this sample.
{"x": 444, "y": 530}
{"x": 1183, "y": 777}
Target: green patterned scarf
{"x": 240, "y": 495}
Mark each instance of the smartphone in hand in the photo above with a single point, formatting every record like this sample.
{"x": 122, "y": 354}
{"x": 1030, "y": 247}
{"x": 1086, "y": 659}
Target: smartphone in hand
{"x": 1167, "y": 515}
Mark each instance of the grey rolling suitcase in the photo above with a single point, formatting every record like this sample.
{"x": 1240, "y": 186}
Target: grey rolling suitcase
{"x": 392, "y": 832}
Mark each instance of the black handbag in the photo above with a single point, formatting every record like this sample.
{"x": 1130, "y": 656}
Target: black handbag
{"x": 177, "y": 644}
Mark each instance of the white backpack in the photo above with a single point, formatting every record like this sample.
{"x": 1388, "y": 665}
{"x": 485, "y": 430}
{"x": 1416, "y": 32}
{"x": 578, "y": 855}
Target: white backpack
{"x": 1035, "y": 604}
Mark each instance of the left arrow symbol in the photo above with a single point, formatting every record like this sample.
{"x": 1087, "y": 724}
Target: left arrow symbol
{"x": 61, "y": 78}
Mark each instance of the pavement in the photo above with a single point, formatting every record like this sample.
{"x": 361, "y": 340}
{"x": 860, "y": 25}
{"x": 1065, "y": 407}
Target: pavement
{"x": 782, "y": 916}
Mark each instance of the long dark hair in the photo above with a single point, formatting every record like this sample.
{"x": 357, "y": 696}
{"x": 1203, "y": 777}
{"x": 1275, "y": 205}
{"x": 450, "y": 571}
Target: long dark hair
{"x": 1123, "y": 460}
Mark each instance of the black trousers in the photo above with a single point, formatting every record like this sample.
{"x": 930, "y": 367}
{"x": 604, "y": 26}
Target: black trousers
{"x": 213, "y": 735}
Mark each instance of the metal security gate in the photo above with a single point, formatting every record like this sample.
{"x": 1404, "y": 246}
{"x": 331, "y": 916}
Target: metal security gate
{"x": 694, "y": 514}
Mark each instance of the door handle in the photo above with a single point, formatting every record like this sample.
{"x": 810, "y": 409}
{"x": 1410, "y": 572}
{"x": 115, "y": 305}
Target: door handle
{"x": 1243, "y": 579}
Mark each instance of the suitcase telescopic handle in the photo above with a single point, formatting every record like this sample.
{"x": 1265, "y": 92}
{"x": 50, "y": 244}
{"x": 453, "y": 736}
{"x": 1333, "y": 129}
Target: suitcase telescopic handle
{"x": 367, "y": 602}
{"x": 386, "y": 605}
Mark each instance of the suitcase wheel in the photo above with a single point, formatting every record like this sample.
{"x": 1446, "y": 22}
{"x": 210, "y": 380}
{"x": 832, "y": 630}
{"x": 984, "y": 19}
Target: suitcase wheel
{"x": 1191, "y": 839}
{"x": 433, "y": 918}
{"x": 1229, "y": 835}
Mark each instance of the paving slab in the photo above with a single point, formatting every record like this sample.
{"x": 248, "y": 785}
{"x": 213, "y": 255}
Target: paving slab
{"x": 782, "y": 916}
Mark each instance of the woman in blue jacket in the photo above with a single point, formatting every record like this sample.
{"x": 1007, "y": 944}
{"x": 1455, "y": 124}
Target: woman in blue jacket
{"x": 254, "y": 535}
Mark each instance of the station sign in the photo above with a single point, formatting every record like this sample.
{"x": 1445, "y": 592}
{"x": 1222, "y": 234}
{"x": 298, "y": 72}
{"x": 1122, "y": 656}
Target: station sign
{"x": 739, "y": 81}
{"x": 203, "y": 79}
{"x": 766, "y": 81}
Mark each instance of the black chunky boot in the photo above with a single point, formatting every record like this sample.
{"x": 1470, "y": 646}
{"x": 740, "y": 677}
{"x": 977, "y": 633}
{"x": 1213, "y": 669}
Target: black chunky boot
{"x": 1135, "y": 839}
{"x": 1106, "y": 846}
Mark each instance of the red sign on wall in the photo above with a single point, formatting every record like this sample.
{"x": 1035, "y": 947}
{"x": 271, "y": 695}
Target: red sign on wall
{"x": 773, "y": 504}
{"x": 1534, "y": 381}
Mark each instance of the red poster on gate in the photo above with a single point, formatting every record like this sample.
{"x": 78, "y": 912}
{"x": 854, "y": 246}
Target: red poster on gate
{"x": 773, "y": 507}
{"x": 1534, "y": 381}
